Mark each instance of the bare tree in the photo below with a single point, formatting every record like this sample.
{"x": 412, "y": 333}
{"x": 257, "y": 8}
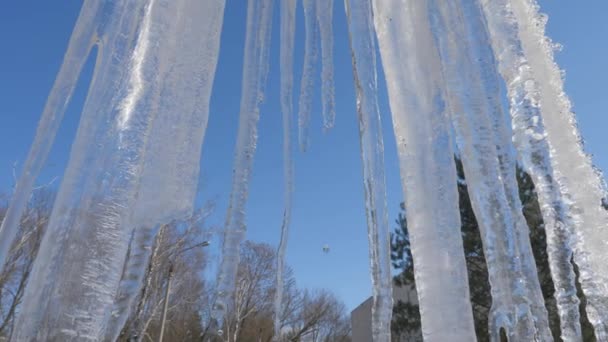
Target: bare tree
{"x": 255, "y": 288}
{"x": 321, "y": 317}
{"x": 22, "y": 254}
{"x": 177, "y": 245}
{"x": 307, "y": 315}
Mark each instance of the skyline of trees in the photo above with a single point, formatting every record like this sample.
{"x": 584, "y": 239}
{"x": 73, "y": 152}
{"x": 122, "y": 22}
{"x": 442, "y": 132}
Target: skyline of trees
{"x": 308, "y": 314}
{"x": 316, "y": 314}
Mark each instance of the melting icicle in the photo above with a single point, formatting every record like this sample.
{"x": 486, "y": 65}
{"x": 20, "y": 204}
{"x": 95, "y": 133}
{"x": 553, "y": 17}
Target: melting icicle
{"x": 466, "y": 67}
{"x": 136, "y": 81}
{"x": 308, "y": 73}
{"x": 80, "y": 44}
{"x": 363, "y": 52}
{"x": 412, "y": 70}
{"x": 116, "y": 162}
{"x": 506, "y": 161}
{"x": 169, "y": 182}
{"x": 324, "y": 9}
{"x": 529, "y": 138}
{"x": 288, "y": 27}
{"x": 255, "y": 68}
{"x": 318, "y": 21}
{"x": 70, "y": 287}
{"x": 581, "y": 186}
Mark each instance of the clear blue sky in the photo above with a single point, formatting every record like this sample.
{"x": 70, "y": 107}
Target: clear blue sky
{"x": 328, "y": 203}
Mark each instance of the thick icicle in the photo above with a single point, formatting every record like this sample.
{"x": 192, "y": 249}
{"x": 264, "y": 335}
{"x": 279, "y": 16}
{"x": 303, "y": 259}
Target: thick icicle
{"x": 140, "y": 83}
{"x": 83, "y": 38}
{"x": 420, "y": 119}
{"x": 308, "y": 72}
{"x": 63, "y": 300}
{"x": 168, "y": 184}
{"x": 255, "y": 69}
{"x": 581, "y": 186}
{"x": 506, "y": 160}
{"x": 529, "y": 139}
{"x": 288, "y": 27}
{"x": 467, "y": 71}
{"x": 363, "y": 52}
{"x": 324, "y": 9}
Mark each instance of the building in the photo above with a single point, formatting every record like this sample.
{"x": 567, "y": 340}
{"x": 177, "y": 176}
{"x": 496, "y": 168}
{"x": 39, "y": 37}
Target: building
{"x": 361, "y": 316}
{"x": 361, "y": 321}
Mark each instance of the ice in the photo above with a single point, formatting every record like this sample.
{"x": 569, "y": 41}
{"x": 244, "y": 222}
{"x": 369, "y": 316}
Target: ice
{"x": 421, "y": 123}
{"x": 324, "y": 9}
{"x": 473, "y": 98}
{"x": 318, "y": 24}
{"x": 363, "y": 52}
{"x": 506, "y": 159}
{"x": 580, "y": 185}
{"x": 169, "y": 181}
{"x": 82, "y": 40}
{"x": 308, "y": 72}
{"x": 135, "y": 160}
{"x": 529, "y": 139}
{"x": 255, "y": 68}
{"x": 288, "y": 26}
{"x": 112, "y": 171}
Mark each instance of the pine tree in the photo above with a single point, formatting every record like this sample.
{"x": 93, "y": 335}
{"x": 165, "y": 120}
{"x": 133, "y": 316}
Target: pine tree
{"x": 406, "y": 316}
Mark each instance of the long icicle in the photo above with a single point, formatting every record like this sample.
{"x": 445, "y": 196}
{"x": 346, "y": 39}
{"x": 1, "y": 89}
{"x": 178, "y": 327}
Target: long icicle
{"x": 580, "y": 185}
{"x": 363, "y": 52}
{"x": 465, "y": 67}
{"x": 420, "y": 120}
{"x": 69, "y": 288}
{"x": 168, "y": 184}
{"x": 255, "y": 68}
{"x": 82, "y": 40}
{"x": 288, "y": 27}
{"x": 529, "y": 138}
{"x": 308, "y": 73}
{"x": 108, "y": 182}
{"x": 490, "y": 79}
{"x": 324, "y": 9}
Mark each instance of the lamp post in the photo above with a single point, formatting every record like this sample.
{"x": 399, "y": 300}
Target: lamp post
{"x": 168, "y": 289}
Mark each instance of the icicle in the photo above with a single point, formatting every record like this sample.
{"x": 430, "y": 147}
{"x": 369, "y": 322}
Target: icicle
{"x": 467, "y": 69}
{"x": 308, "y": 72}
{"x": 116, "y": 161}
{"x": 288, "y": 27}
{"x": 363, "y": 52}
{"x": 580, "y": 185}
{"x": 169, "y": 181}
{"x": 529, "y": 138}
{"x": 324, "y": 9}
{"x": 138, "y": 257}
{"x": 412, "y": 71}
{"x": 83, "y": 38}
{"x": 506, "y": 161}
{"x": 255, "y": 68}
{"x": 84, "y": 216}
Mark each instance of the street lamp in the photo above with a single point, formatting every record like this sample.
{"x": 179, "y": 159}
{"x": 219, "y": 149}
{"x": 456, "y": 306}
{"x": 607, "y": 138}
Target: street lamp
{"x": 169, "y": 278}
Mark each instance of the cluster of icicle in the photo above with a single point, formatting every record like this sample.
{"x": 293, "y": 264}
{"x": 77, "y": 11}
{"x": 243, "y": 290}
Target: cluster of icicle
{"x": 134, "y": 163}
{"x": 135, "y": 160}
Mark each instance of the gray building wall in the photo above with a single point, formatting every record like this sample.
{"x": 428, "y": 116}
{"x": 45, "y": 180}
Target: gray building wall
{"x": 361, "y": 321}
{"x": 361, "y": 316}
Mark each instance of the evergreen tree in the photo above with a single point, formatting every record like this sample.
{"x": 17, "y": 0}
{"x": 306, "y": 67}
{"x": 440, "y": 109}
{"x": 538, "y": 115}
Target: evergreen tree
{"x": 406, "y": 316}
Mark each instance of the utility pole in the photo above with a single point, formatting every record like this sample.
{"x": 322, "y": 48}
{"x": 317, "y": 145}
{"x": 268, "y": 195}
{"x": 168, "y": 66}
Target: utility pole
{"x": 168, "y": 289}
{"x": 166, "y": 304}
